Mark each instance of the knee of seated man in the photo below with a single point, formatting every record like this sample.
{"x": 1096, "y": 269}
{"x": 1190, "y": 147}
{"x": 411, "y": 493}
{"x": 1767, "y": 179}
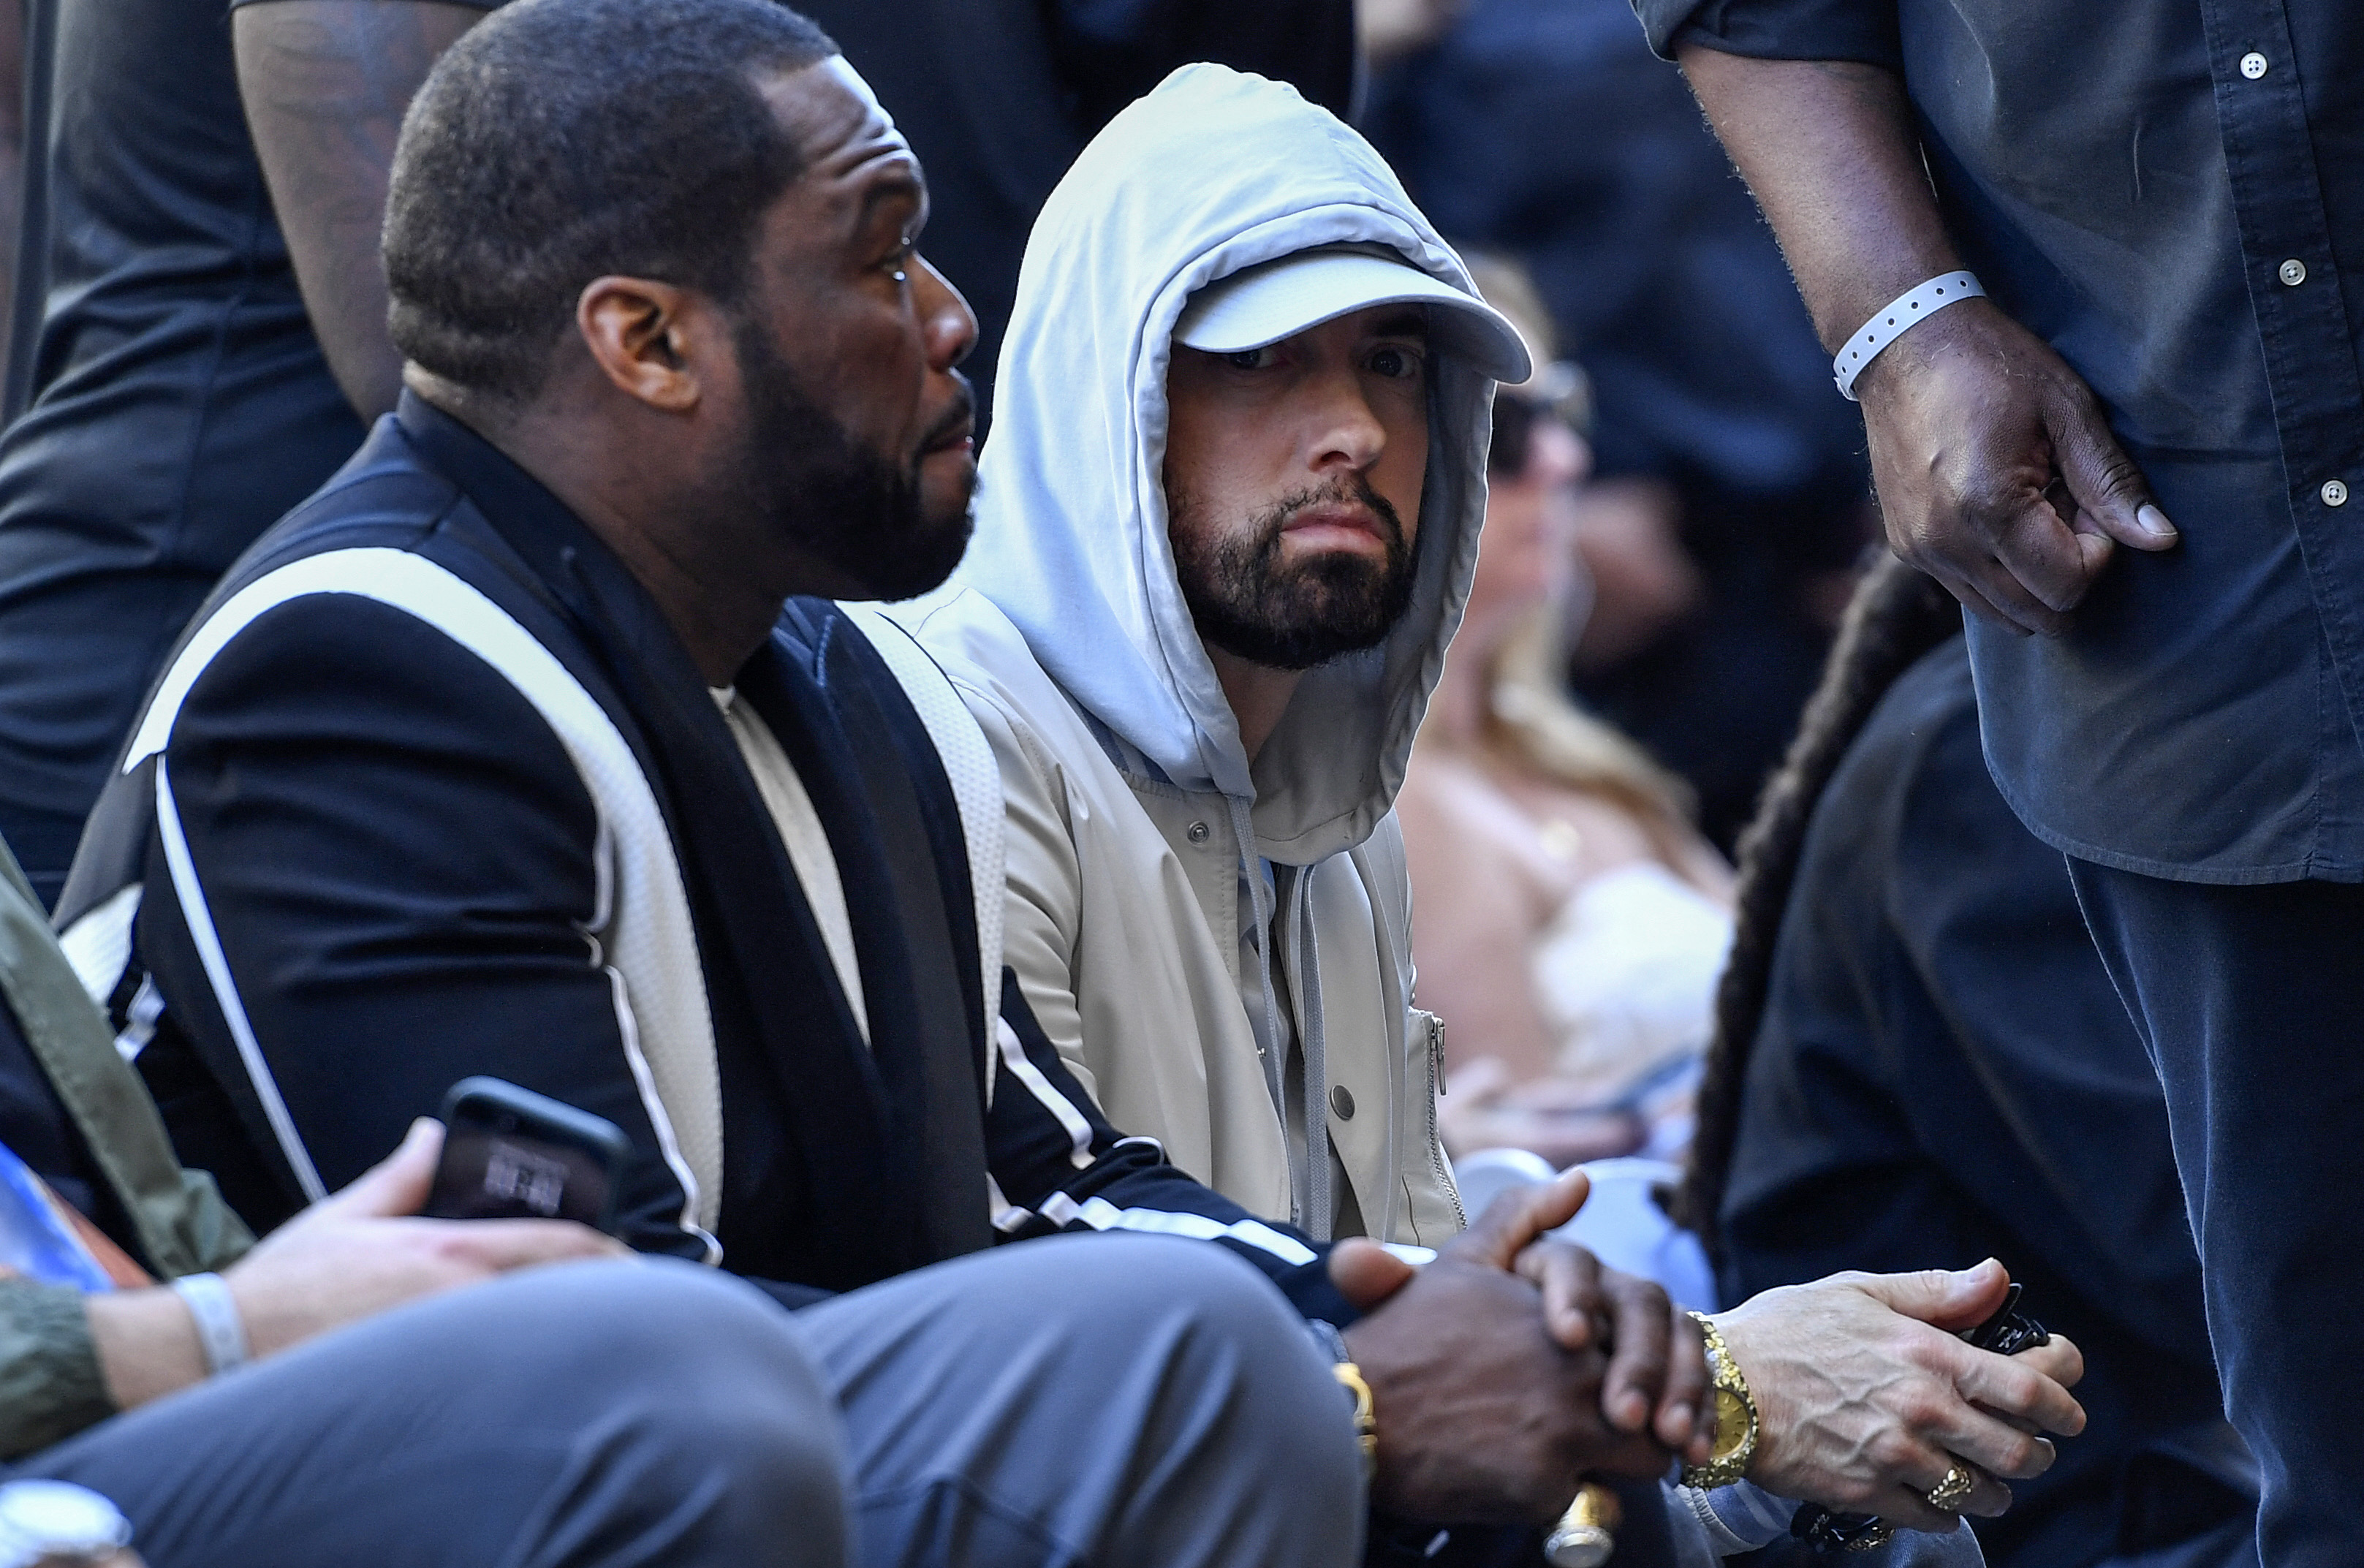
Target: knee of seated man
{"x": 1132, "y": 1281}
{"x": 692, "y": 1399}
{"x": 1208, "y": 1315}
{"x": 667, "y": 1347}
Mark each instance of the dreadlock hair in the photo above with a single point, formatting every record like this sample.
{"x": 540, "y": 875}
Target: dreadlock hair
{"x": 1897, "y": 615}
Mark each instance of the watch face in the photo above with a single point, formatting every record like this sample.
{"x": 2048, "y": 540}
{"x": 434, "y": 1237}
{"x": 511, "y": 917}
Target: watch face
{"x": 1731, "y": 1423}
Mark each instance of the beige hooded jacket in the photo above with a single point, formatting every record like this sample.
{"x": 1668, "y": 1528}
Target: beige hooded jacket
{"x": 1134, "y": 907}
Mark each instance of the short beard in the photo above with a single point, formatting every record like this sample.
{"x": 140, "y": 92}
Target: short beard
{"x": 1247, "y": 606}
{"x": 856, "y": 509}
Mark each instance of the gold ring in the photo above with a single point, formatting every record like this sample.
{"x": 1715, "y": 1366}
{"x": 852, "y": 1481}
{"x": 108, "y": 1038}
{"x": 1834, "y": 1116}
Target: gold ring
{"x": 1958, "y": 1484}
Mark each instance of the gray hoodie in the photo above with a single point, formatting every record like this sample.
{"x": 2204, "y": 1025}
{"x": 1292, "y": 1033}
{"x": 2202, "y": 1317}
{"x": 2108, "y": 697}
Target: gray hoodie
{"x": 1068, "y": 633}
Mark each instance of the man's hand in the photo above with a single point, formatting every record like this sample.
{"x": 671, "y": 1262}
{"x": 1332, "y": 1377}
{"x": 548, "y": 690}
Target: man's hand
{"x": 343, "y": 1259}
{"x": 1483, "y": 1415}
{"x": 1657, "y": 1373}
{"x": 1658, "y": 1377}
{"x": 1997, "y": 473}
{"x": 1867, "y": 1398}
{"x": 351, "y": 1256}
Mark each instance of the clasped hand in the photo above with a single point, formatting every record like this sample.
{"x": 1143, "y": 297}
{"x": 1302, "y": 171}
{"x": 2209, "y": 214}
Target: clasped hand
{"x": 1514, "y": 1366}
{"x": 1867, "y": 1398}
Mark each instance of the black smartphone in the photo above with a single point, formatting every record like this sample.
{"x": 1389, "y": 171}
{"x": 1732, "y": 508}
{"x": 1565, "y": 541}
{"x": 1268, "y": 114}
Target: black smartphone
{"x": 509, "y": 1153}
{"x": 2009, "y": 1330}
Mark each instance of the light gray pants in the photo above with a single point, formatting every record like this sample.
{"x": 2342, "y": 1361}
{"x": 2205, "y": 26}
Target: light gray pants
{"x": 1080, "y": 1400}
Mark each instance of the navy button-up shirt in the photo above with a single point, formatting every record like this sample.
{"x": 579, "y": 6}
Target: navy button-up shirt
{"x": 2171, "y": 194}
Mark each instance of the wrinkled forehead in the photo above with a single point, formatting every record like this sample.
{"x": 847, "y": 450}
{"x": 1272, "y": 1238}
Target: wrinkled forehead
{"x": 875, "y": 131}
{"x": 841, "y": 129}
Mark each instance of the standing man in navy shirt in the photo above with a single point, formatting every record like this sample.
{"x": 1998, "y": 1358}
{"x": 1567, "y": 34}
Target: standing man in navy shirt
{"x": 168, "y": 392}
{"x": 2162, "y": 201}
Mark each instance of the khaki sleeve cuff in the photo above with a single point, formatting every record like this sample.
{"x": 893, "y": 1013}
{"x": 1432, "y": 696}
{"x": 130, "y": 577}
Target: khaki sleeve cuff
{"x": 50, "y": 1383}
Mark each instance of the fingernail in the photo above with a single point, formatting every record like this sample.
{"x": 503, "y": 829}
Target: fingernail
{"x": 1682, "y": 1416}
{"x": 2153, "y": 521}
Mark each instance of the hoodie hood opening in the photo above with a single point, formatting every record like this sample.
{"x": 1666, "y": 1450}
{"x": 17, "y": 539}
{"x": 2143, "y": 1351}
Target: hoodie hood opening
{"x": 1215, "y": 172}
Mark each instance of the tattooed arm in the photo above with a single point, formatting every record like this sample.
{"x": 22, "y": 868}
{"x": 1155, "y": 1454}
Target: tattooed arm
{"x": 325, "y": 83}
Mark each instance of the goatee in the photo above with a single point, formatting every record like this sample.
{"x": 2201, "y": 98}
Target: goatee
{"x": 1245, "y": 603}
{"x": 858, "y": 509}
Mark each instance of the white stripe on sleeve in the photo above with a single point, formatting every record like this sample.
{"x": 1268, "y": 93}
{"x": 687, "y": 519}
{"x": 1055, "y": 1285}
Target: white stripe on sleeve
{"x": 1102, "y": 1215}
{"x": 643, "y": 920}
{"x": 1014, "y": 1061}
{"x": 209, "y": 951}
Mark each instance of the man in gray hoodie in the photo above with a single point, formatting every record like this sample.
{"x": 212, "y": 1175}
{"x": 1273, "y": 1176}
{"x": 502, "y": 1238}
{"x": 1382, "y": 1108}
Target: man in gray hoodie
{"x": 1226, "y": 526}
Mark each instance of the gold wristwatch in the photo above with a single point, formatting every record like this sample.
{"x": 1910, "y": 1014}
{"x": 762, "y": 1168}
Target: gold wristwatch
{"x": 1366, "y": 1426}
{"x": 1735, "y": 1417}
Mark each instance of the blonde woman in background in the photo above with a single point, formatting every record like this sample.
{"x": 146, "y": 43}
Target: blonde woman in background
{"x": 1570, "y": 923}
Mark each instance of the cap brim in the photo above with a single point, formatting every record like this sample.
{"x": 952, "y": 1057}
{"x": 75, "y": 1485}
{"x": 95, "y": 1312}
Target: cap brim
{"x": 1280, "y": 298}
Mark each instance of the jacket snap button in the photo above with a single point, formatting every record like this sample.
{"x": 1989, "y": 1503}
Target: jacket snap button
{"x": 1342, "y": 1102}
{"x": 1198, "y": 832}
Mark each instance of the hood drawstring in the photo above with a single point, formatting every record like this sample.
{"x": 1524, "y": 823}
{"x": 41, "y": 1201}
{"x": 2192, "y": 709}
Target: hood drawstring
{"x": 1321, "y": 1204}
{"x": 1310, "y": 1202}
{"x": 1399, "y": 1003}
{"x": 1269, "y": 1037}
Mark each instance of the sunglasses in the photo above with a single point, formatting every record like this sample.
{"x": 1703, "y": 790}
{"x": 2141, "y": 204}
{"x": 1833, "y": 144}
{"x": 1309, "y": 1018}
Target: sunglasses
{"x": 1559, "y": 391}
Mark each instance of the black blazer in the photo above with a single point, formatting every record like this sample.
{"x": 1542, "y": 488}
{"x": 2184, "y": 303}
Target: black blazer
{"x": 431, "y": 789}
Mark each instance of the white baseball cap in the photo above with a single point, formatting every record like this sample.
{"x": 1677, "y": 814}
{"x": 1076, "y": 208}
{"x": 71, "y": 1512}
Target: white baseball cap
{"x": 1280, "y": 298}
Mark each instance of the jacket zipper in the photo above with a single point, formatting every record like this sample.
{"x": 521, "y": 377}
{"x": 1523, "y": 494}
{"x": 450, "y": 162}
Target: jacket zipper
{"x": 1436, "y": 1144}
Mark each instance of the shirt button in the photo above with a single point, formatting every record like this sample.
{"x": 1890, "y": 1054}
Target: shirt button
{"x": 1342, "y": 1103}
{"x": 1198, "y": 832}
{"x": 2253, "y": 65}
{"x": 2293, "y": 271}
{"x": 2334, "y": 494}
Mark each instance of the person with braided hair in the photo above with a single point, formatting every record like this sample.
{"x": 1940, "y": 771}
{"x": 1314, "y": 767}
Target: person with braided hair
{"x": 1919, "y": 1061}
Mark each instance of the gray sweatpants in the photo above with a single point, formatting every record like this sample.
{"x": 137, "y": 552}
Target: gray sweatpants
{"x": 1104, "y": 1400}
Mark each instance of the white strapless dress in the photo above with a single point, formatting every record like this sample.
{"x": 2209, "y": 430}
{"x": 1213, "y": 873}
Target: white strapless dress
{"x": 1626, "y": 975}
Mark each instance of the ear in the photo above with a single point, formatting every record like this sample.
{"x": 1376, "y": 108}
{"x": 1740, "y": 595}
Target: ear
{"x": 652, "y": 340}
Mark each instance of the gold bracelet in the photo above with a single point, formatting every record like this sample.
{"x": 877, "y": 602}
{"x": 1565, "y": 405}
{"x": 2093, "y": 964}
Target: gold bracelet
{"x": 1366, "y": 1424}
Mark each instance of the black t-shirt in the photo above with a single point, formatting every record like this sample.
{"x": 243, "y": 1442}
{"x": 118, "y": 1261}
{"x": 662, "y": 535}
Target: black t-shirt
{"x": 167, "y": 399}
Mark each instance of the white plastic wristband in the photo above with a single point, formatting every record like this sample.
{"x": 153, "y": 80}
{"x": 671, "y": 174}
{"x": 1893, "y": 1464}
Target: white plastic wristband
{"x": 215, "y": 1311}
{"x": 1887, "y": 326}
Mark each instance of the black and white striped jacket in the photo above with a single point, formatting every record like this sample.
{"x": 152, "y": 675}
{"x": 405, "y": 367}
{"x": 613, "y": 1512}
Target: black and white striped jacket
{"x": 431, "y": 789}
